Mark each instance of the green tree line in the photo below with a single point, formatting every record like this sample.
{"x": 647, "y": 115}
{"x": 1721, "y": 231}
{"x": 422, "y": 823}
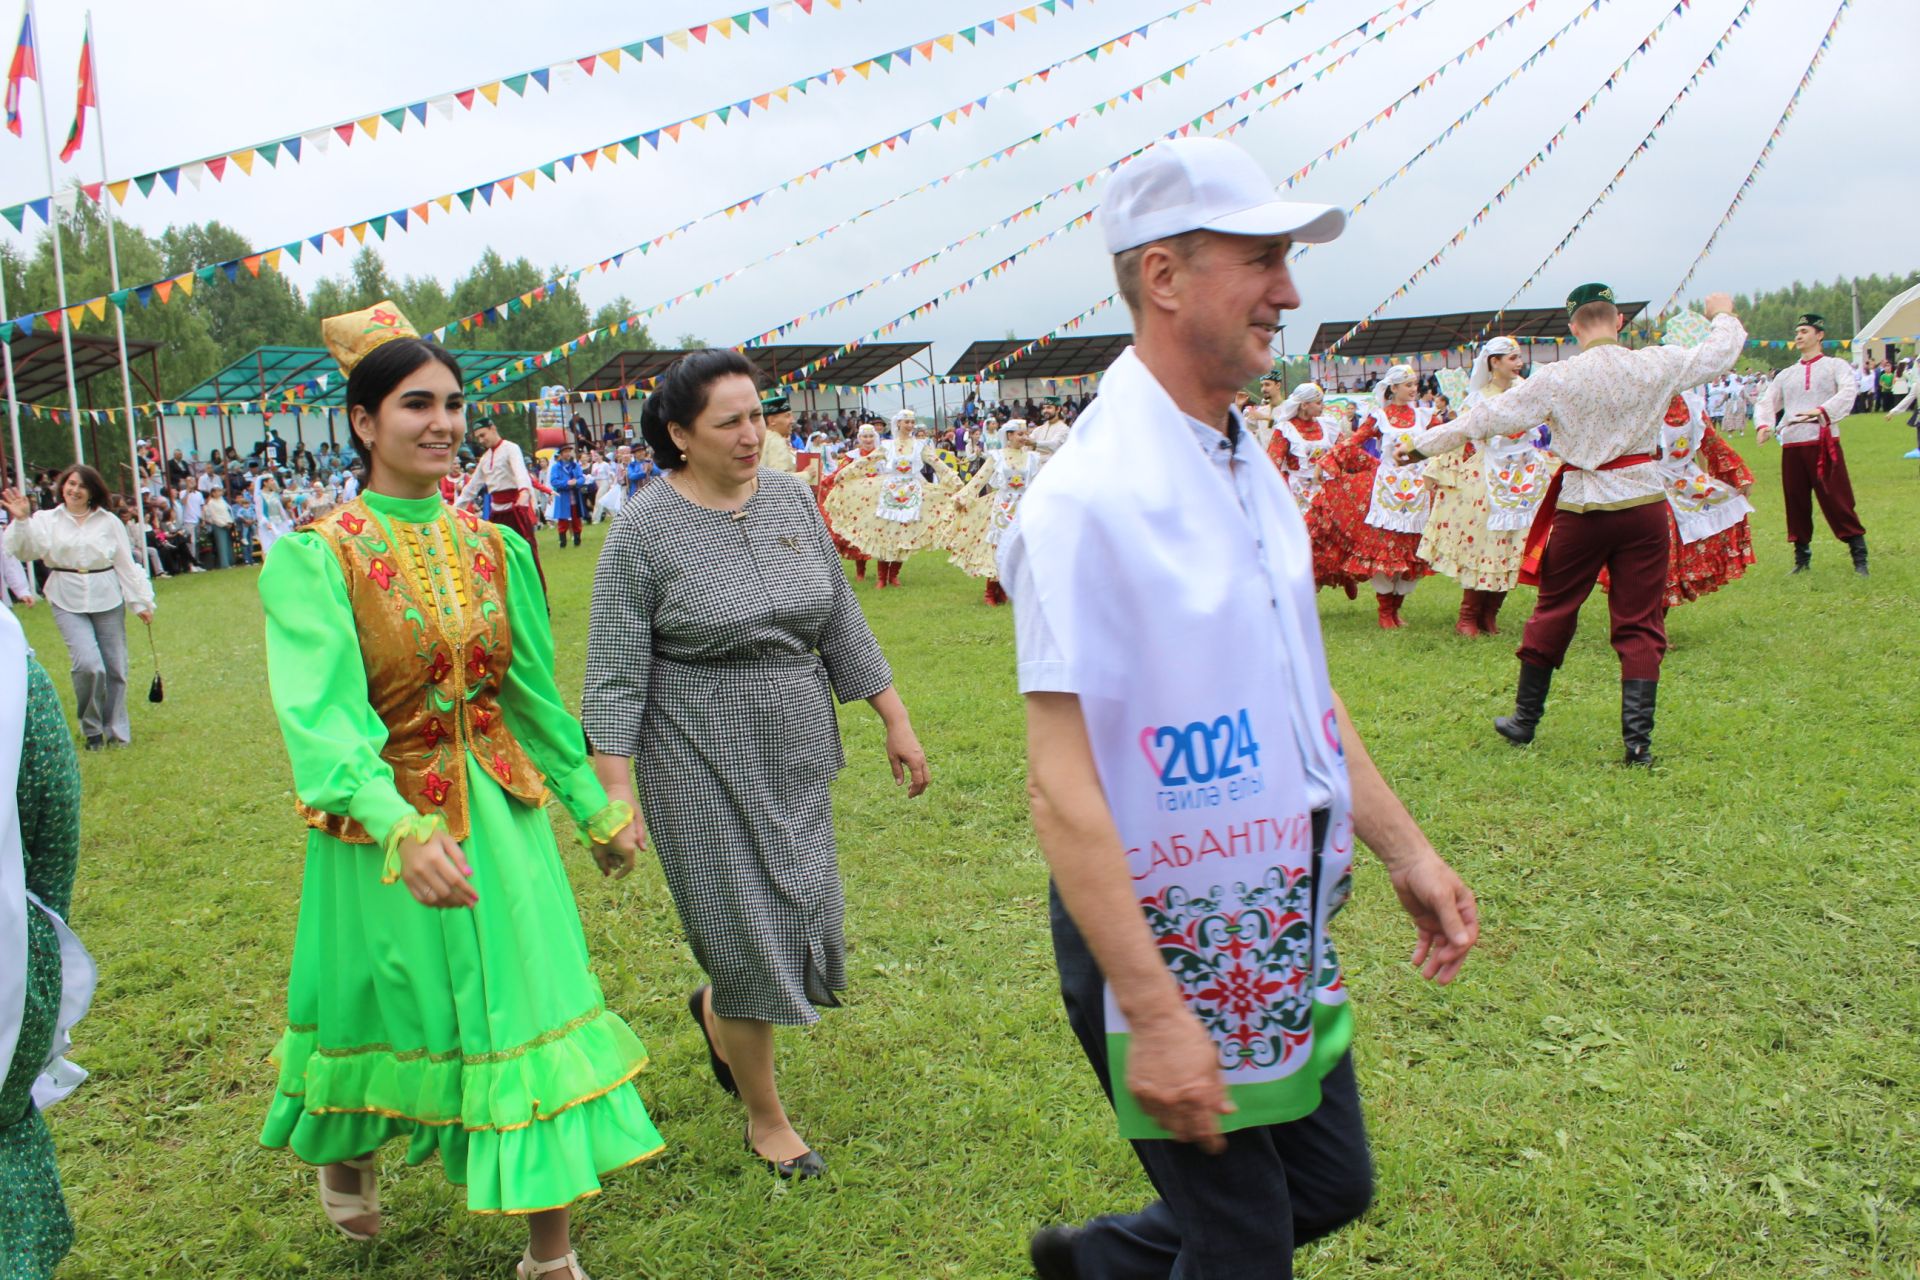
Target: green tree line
{"x": 1771, "y": 314}
{"x": 225, "y": 320}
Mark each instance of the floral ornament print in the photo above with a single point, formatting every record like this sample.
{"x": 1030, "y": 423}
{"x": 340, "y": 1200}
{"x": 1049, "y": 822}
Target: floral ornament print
{"x": 1244, "y": 962}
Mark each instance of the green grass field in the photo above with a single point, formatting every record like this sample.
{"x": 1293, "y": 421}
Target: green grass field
{"x": 1688, "y": 1045}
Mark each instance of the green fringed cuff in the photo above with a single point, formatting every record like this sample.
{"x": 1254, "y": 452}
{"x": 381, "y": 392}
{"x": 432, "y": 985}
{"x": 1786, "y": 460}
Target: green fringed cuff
{"x": 417, "y": 827}
{"x": 603, "y": 826}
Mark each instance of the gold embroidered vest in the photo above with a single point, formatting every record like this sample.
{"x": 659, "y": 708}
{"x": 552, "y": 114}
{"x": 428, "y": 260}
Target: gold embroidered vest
{"x": 430, "y": 607}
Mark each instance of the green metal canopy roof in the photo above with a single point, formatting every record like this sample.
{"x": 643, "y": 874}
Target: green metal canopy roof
{"x": 268, "y": 373}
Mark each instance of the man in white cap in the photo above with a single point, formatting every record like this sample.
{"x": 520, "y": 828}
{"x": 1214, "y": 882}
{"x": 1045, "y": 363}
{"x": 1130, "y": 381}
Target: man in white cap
{"x": 1196, "y": 786}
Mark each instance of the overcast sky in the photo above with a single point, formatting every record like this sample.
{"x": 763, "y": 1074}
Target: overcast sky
{"x": 185, "y": 79}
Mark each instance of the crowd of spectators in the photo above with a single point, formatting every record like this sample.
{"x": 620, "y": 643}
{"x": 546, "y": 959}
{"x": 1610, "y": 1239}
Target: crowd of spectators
{"x": 227, "y": 508}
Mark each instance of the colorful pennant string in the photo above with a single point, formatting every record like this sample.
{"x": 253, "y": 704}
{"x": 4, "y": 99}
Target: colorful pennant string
{"x": 1526, "y": 64}
{"x": 1639, "y": 149}
{"x": 1136, "y": 93}
{"x": 1080, "y": 184}
{"x": 402, "y": 219}
{"x": 1533, "y": 164}
{"x": 1753, "y": 174}
{"x": 1401, "y": 171}
{"x": 1426, "y": 81}
{"x": 270, "y": 407}
{"x": 1224, "y": 133}
{"x": 419, "y": 114}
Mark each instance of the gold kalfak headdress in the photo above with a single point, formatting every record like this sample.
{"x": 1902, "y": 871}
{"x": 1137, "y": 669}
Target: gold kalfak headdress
{"x": 352, "y": 336}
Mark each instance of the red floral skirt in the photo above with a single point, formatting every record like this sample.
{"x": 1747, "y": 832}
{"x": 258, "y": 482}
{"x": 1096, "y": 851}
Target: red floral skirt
{"x": 1347, "y": 551}
{"x": 1702, "y": 568}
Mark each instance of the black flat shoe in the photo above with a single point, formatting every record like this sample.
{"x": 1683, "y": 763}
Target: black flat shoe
{"x": 722, "y": 1073}
{"x": 809, "y": 1164}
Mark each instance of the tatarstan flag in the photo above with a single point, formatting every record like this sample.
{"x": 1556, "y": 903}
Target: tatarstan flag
{"x": 22, "y": 68}
{"x": 87, "y": 98}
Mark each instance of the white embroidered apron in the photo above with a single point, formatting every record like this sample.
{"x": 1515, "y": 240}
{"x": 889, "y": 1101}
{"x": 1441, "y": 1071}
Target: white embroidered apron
{"x": 1401, "y": 500}
{"x": 901, "y": 485}
{"x": 1702, "y": 506}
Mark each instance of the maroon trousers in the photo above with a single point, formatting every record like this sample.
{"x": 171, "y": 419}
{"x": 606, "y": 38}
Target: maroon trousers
{"x": 1800, "y": 483}
{"x": 1631, "y": 545}
{"x": 508, "y": 512}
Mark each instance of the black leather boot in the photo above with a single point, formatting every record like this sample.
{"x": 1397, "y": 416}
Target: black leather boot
{"x": 1858, "y": 545}
{"x": 1802, "y": 557}
{"x": 1636, "y": 719}
{"x": 1529, "y": 704}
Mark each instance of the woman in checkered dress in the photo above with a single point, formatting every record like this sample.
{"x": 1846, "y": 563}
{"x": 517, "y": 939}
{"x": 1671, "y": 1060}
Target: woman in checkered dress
{"x": 722, "y": 630}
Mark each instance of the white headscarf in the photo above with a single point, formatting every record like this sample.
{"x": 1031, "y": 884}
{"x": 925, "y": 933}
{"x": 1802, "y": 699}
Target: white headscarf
{"x": 904, "y": 419}
{"x": 1305, "y": 393}
{"x": 1394, "y": 377}
{"x": 1482, "y": 374}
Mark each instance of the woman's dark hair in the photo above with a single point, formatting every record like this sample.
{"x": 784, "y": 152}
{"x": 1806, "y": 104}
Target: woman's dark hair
{"x": 681, "y": 396}
{"x": 97, "y": 495}
{"x": 380, "y": 371}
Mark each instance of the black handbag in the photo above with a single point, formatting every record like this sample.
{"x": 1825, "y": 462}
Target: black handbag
{"x": 157, "y": 691}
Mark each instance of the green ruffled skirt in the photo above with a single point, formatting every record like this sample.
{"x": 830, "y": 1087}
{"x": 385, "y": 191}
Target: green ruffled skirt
{"x": 480, "y": 1034}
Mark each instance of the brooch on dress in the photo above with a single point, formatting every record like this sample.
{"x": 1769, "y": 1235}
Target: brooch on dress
{"x": 790, "y": 541}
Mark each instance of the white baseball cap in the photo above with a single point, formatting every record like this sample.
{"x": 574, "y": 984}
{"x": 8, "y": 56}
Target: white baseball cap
{"x": 1204, "y": 184}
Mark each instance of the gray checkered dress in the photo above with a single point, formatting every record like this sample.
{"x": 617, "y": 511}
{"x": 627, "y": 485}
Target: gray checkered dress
{"x": 716, "y": 645}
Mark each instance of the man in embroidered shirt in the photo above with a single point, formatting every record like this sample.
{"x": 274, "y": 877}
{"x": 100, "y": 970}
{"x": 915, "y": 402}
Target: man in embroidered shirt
{"x": 502, "y": 473}
{"x": 1134, "y": 586}
{"x": 1052, "y": 431}
{"x": 1814, "y": 394}
{"x": 1606, "y": 508}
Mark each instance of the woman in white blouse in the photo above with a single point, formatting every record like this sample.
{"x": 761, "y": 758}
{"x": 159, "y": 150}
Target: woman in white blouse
{"x": 93, "y": 580}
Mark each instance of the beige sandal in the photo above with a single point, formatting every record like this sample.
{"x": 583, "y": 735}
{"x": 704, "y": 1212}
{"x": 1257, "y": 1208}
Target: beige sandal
{"x": 342, "y": 1207}
{"x": 567, "y": 1268}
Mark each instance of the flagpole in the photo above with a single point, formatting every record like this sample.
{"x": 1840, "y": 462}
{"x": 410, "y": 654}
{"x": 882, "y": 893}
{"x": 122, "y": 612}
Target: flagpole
{"x": 53, "y": 225}
{"x": 113, "y": 270}
{"x": 13, "y": 401}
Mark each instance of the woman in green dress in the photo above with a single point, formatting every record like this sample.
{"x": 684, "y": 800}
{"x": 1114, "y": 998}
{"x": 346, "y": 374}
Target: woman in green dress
{"x": 411, "y": 667}
{"x": 42, "y": 997}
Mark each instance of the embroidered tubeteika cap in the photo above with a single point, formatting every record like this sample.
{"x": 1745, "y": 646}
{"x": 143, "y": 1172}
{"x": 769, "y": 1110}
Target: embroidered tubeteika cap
{"x": 1586, "y": 293}
{"x": 352, "y": 336}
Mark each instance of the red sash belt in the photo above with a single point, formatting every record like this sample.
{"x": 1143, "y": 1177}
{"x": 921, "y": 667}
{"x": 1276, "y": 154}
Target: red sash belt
{"x": 1829, "y": 446}
{"x": 1542, "y": 527}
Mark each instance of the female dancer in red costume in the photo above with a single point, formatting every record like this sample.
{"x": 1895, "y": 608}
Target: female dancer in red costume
{"x": 1303, "y": 433}
{"x": 1700, "y": 568}
{"x": 1707, "y": 484}
{"x": 1366, "y": 520}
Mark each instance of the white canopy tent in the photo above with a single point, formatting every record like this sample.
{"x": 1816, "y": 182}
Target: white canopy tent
{"x": 1898, "y": 321}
